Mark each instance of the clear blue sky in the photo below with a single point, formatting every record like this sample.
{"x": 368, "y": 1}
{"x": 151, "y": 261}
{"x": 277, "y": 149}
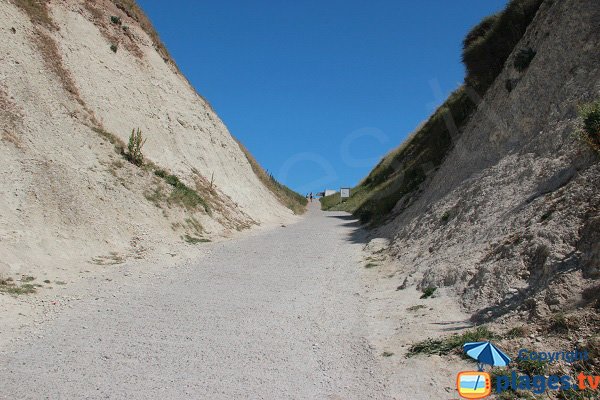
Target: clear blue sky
{"x": 319, "y": 90}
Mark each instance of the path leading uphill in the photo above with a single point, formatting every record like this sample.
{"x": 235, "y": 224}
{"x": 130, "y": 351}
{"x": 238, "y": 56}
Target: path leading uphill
{"x": 273, "y": 315}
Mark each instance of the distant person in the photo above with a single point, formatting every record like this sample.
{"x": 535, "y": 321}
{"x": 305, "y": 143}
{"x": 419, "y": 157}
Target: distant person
{"x": 311, "y": 197}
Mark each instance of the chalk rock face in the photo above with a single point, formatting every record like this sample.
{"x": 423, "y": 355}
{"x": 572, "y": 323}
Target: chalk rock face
{"x": 510, "y": 218}
{"x": 76, "y": 77}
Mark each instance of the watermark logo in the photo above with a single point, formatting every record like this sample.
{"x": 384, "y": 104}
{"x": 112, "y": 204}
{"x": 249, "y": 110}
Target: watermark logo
{"x": 479, "y": 385}
{"x": 474, "y": 384}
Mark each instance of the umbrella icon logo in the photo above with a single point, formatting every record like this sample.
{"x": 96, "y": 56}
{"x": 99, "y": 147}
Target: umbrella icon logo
{"x": 478, "y": 384}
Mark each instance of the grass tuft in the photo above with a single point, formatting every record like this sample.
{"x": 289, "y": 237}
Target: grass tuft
{"x": 516, "y": 332}
{"x": 7, "y": 285}
{"x": 37, "y": 10}
{"x": 194, "y": 240}
{"x": 182, "y": 194}
{"x": 451, "y": 343}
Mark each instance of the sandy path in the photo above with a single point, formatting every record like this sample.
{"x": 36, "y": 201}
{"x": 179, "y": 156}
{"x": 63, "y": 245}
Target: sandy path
{"x": 273, "y": 315}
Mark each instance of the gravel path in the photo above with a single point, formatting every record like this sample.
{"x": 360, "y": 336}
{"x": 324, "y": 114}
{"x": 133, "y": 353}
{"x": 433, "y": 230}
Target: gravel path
{"x": 273, "y": 315}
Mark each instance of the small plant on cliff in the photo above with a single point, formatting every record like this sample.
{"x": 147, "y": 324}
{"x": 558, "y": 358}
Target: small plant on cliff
{"x": 590, "y": 130}
{"x": 182, "y": 194}
{"x": 428, "y": 292}
{"x": 523, "y": 59}
{"x": 114, "y": 48}
{"x": 115, "y": 20}
{"x": 134, "y": 147}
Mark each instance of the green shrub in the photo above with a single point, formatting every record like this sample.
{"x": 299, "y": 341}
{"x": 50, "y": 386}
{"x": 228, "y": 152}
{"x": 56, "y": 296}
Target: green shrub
{"x": 115, "y": 20}
{"x": 590, "y": 132}
{"x": 428, "y": 292}
{"x": 445, "y": 216}
{"x": 114, "y": 48}
{"x": 523, "y": 59}
{"x": 531, "y": 367}
{"x": 134, "y": 147}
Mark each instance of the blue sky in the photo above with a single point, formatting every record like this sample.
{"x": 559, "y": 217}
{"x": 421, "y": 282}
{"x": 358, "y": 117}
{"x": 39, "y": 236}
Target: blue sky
{"x": 320, "y": 90}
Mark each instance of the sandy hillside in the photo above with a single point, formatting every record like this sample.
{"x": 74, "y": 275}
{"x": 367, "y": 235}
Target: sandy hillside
{"x": 75, "y": 79}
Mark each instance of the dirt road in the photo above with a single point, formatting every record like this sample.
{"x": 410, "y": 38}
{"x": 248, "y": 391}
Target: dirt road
{"x": 273, "y": 315}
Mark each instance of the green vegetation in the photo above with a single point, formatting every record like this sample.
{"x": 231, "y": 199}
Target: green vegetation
{"x": 450, "y": 343}
{"x": 394, "y": 182}
{"x": 428, "y": 292}
{"x": 194, "y": 240}
{"x": 561, "y": 323}
{"x": 489, "y": 44}
{"x": 401, "y": 172}
{"x": 370, "y": 265}
{"x": 531, "y": 367}
{"x": 181, "y": 194}
{"x": 517, "y": 332}
{"x": 286, "y": 196}
{"x": 116, "y": 20}
{"x": 134, "y": 147}
{"x": 445, "y": 217}
{"x": 114, "y": 48}
{"x": 590, "y": 132}
{"x": 8, "y": 286}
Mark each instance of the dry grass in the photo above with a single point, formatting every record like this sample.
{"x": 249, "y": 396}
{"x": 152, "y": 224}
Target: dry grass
{"x": 111, "y": 259}
{"x": 133, "y": 11}
{"x": 10, "y": 118}
{"x": 51, "y": 55}
{"x": 37, "y": 10}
